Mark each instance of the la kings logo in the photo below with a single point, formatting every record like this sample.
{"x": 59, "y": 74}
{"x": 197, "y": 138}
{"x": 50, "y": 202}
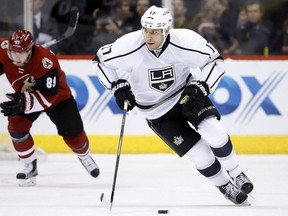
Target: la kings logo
{"x": 161, "y": 79}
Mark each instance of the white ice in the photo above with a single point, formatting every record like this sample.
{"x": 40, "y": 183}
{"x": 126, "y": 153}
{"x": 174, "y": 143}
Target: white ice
{"x": 145, "y": 184}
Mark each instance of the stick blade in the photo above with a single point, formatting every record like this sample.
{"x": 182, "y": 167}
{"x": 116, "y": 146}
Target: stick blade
{"x": 74, "y": 16}
{"x": 105, "y": 202}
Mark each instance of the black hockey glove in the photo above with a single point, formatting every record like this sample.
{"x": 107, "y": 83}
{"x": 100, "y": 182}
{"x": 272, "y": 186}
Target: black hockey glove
{"x": 194, "y": 96}
{"x": 122, "y": 91}
{"x": 15, "y": 105}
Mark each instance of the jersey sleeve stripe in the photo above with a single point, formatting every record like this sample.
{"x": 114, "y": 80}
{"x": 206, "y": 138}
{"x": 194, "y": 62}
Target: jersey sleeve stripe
{"x": 119, "y": 56}
{"x": 192, "y": 50}
{"x": 217, "y": 80}
{"x": 208, "y": 45}
{"x": 102, "y": 71}
{"x": 210, "y": 72}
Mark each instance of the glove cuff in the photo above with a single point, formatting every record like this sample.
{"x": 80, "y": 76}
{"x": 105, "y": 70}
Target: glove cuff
{"x": 28, "y": 102}
{"x": 120, "y": 84}
{"x": 204, "y": 88}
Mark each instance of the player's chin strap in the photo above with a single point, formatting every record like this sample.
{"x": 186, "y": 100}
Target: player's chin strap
{"x": 188, "y": 80}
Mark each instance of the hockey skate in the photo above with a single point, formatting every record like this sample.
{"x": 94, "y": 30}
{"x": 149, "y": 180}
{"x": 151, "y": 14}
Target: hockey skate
{"x": 233, "y": 193}
{"x": 244, "y": 183}
{"x": 28, "y": 175}
{"x": 90, "y": 166}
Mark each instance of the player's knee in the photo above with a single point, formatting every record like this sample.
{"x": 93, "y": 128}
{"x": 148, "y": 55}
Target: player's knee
{"x": 217, "y": 139}
{"x": 201, "y": 155}
{"x": 213, "y": 132}
{"x": 19, "y": 123}
{"x": 19, "y": 136}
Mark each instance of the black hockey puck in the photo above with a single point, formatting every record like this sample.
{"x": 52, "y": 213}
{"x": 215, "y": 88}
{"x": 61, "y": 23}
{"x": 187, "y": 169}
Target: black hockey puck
{"x": 163, "y": 211}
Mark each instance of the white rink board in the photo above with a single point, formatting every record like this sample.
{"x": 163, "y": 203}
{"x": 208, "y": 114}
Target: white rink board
{"x": 252, "y": 100}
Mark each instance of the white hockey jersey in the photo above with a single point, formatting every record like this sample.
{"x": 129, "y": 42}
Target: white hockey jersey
{"x": 158, "y": 81}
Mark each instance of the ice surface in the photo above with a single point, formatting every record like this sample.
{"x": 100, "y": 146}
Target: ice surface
{"x": 145, "y": 184}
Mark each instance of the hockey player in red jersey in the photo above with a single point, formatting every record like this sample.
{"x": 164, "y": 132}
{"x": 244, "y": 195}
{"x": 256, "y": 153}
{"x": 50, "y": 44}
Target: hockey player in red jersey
{"x": 151, "y": 68}
{"x": 40, "y": 86}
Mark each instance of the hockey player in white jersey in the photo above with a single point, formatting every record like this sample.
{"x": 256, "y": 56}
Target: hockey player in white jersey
{"x": 151, "y": 69}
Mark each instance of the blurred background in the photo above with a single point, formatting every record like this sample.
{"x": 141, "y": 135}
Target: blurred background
{"x": 234, "y": 27}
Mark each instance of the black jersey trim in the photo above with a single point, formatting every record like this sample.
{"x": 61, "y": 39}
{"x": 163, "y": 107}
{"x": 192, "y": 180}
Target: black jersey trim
{"x": 99, "y": 66}
{"x": 96, "y": 58}
{"x": 164, "y": 47}
{"x": 175, "y": 93}
{"x": 149, "y": 106}
{"x": 213, "y": 50}
{"x": 119, "y": 56}
{"x": 192, "y": 50}
{"x": 1, "y": 68}
{"x": 210, "y": 72}
{"x": 217, "y": 79}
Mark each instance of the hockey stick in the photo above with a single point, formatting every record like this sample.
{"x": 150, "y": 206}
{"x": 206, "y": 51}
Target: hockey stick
{"x": 108, "y": 204}
{"x": 73, "y": 21}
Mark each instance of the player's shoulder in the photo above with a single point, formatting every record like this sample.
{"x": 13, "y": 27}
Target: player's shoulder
{"x": 40, "y": 52}
{"x": 4, "y": 43}
{"x": 131, "y": 39}
{"x": 43, "y": 58}
{"x": 186, "y": 38}
{"x": 125, "y": 44}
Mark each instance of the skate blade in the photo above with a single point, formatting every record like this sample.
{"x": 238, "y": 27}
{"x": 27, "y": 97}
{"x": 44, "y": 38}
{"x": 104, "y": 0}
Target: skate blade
{"x": 27, "y": 182}
{"x": 251, "y": 195}
{"x": 249, "y": 201}
{"x": 246, "y": 203}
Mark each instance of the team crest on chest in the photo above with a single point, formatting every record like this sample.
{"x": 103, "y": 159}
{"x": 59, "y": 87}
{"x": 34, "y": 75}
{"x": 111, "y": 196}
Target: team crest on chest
{"x": 161, "y": 79}
{"x": 47, "y": 63}
{"x": 28, "y": 84}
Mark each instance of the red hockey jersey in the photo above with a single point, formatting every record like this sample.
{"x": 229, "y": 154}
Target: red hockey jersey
{"x": 41, "y": 77}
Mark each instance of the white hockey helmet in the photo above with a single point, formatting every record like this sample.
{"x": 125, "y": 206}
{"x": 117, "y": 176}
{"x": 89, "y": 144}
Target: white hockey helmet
{"x": 157, "y": 18}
